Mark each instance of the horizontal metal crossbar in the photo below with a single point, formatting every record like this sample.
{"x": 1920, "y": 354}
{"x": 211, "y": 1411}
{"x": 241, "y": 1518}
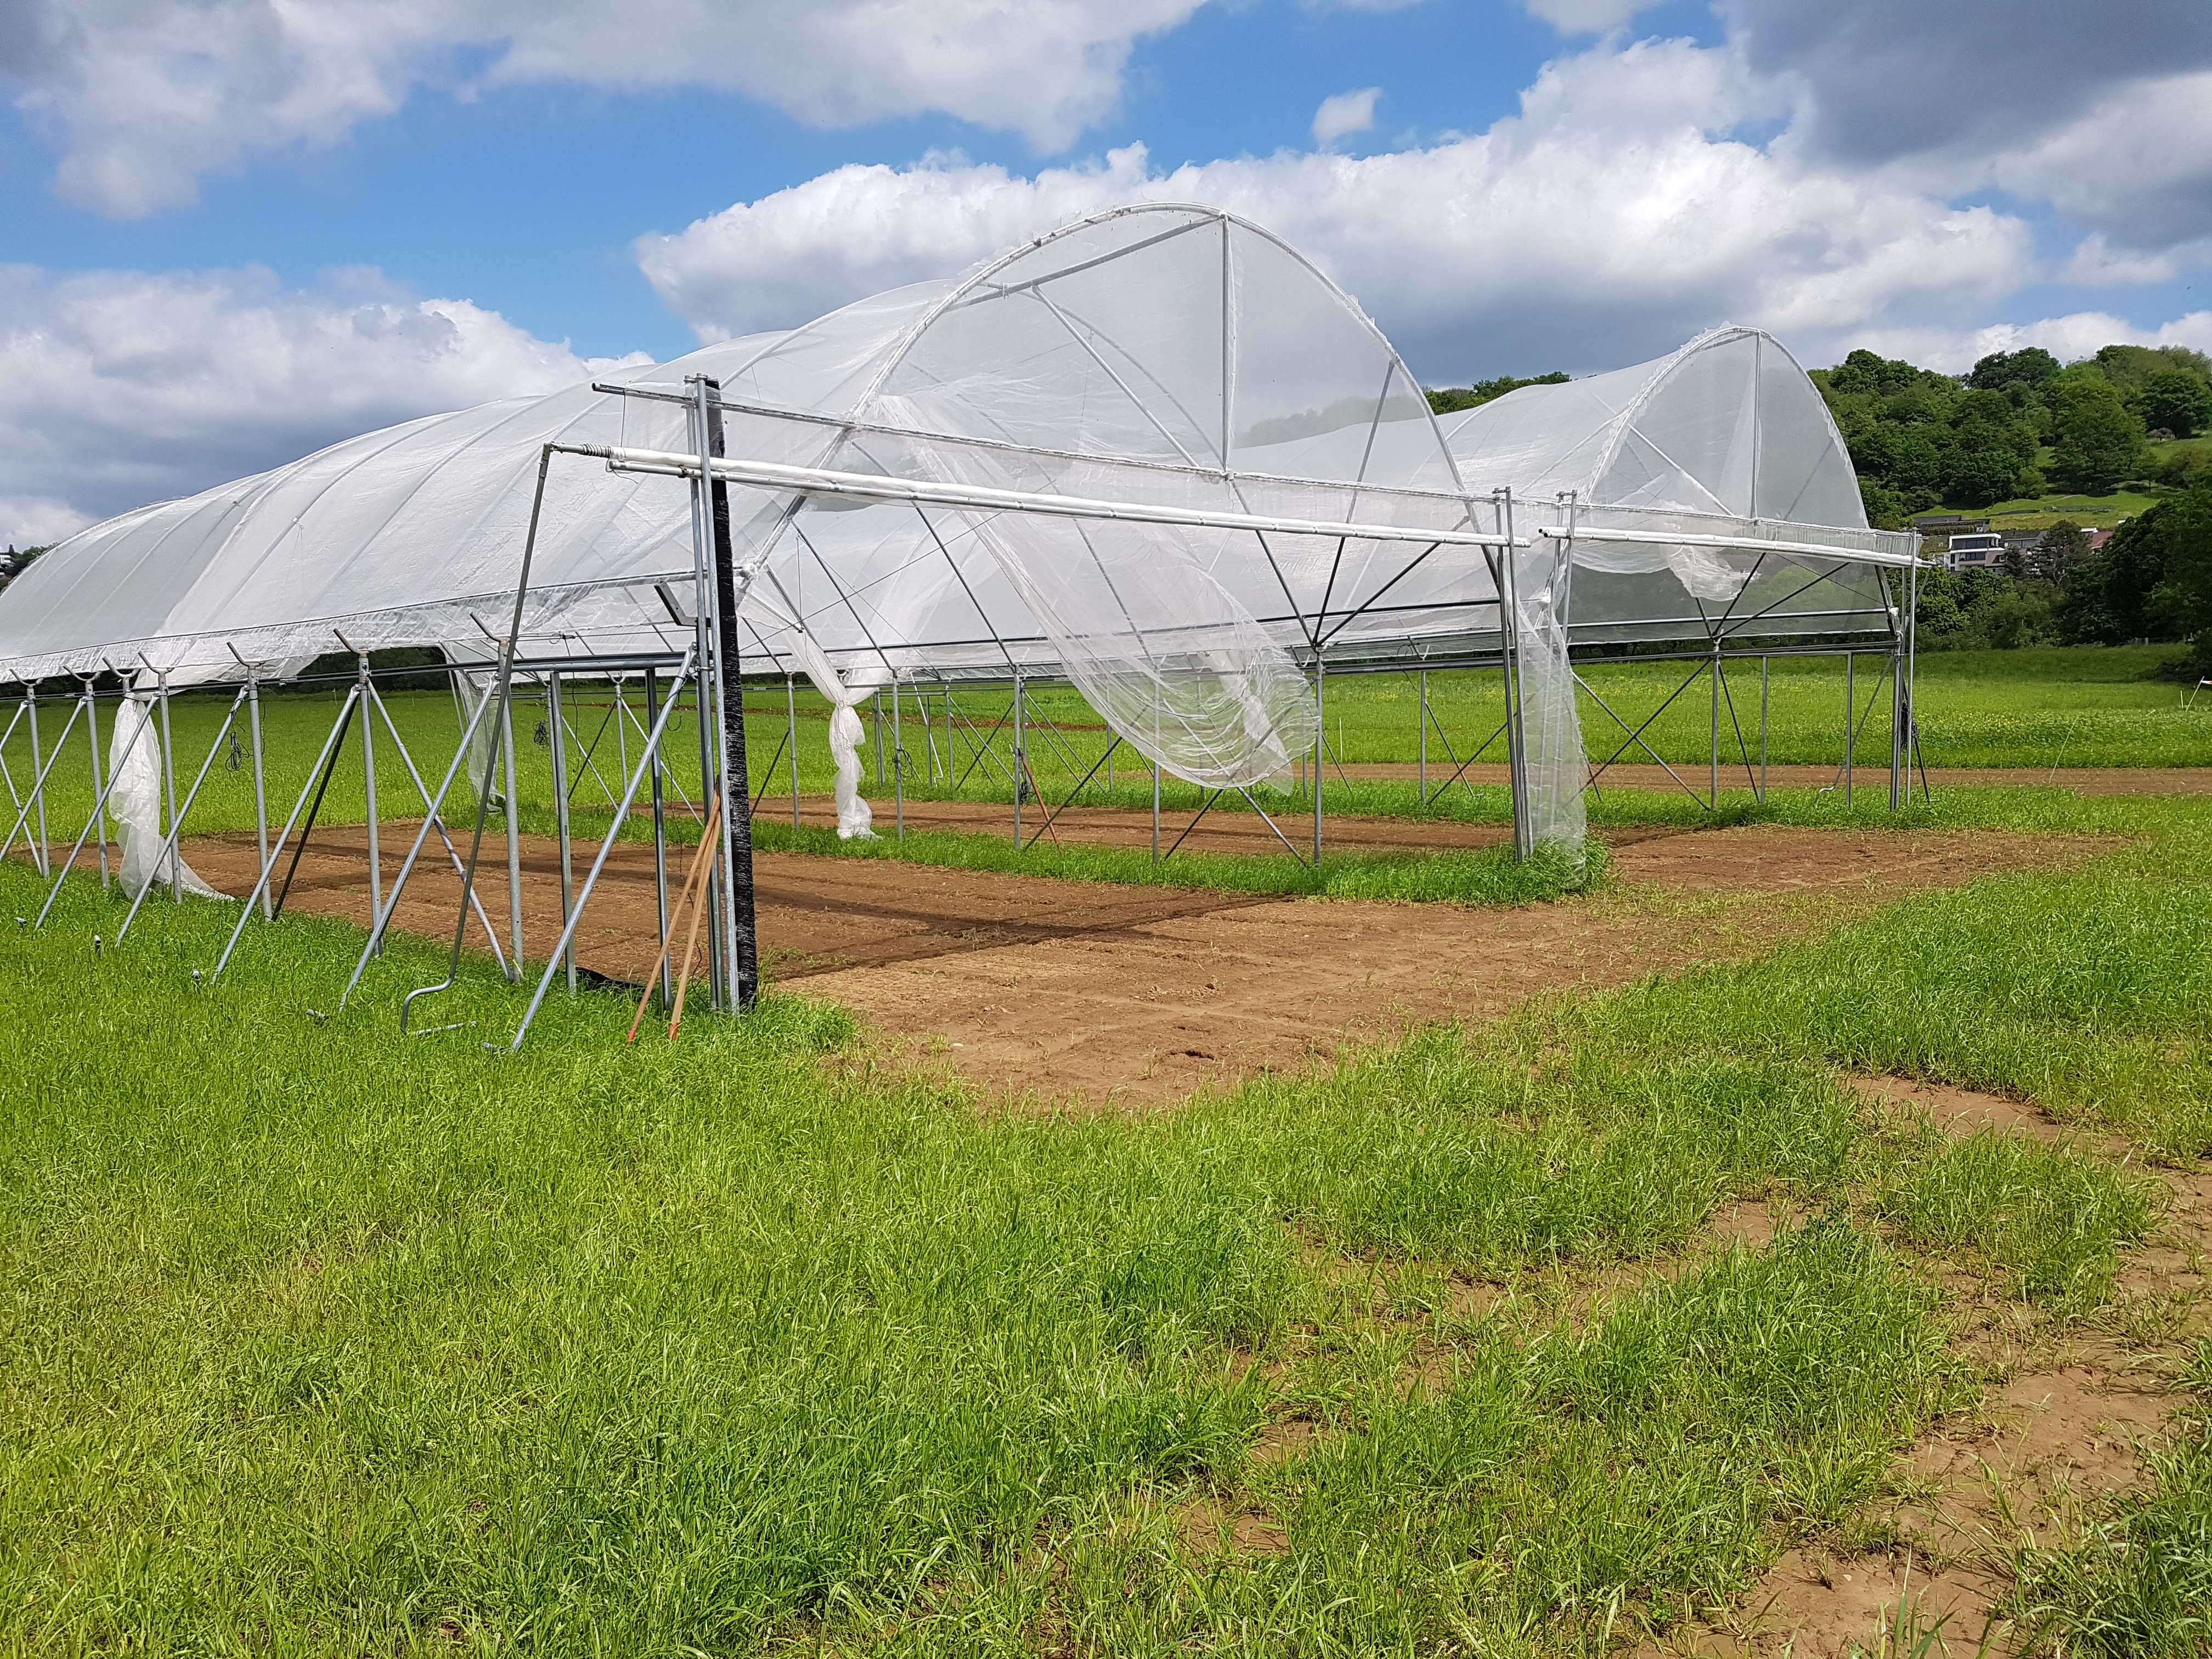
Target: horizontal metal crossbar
{"x": 874, "y": 487}
{"x": 1655, "y": 536}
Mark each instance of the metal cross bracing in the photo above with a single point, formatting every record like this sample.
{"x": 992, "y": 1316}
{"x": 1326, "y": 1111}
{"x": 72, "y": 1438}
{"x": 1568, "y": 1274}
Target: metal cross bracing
{"x": 701, "y": 649}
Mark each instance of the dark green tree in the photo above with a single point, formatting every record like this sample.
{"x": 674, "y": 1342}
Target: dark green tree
{"x": 2096, "y": 440}
{"x": 2177, "y": 401}
{"x": 2064, "y": 550}
{"x": 1447, "y": 400}
{"x": 2030, "y": 367}
{"x": 2152, "y": 579}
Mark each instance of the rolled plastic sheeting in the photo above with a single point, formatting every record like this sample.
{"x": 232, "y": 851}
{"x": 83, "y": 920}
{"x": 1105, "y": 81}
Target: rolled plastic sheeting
{"x": 134, "y": 758}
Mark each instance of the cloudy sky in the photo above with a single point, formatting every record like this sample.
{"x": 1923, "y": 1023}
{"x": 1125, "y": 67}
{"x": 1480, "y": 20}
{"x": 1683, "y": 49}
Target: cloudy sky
{"x": 232, "y": 231}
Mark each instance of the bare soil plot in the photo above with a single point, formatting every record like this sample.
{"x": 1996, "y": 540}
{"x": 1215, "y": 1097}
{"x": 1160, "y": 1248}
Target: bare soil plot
{"x": 1095, "y": 994}
{"x": 1872, "y": 774}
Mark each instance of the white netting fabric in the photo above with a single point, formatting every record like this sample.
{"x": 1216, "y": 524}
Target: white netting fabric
{"x": 1161, "y": 355}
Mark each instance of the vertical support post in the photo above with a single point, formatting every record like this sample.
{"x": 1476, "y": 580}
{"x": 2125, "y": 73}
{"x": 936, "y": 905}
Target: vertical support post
{"x": 1850, "y": 724}
{"x": 1424, "y": 718}
{"x": 1509, "y": 602}
{"x": 703, "y": 619}
{"x": 879, "y": 738}
{"x": 169, "y": 797}
{"x": 1762, "y": 731}
{"x": 1897, "y": 689}
{"x": 368, "y": 777}
{"x": 740, "y": 954}
{"x": 1321, "y": 739}
{"x": 38, "y": 778}
{"x": 1156, "y": 772}
{"x": 514, "y": 820}
{"x": 1713, "y": 781}
{"x": 791, "y": 718}
{"x": 898, "y": 751}
{"x": 1912, "y": 690}
{"x": 1021, "y": 761}
{"x": 99, "y": 815}
{"x": 558, "y": 749}
{"x": 622, "y": 724}
{"x": 260, "y": 784}
{"x": 660, "y": 839}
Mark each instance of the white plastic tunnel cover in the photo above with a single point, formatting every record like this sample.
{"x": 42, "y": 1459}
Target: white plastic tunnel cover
{"x": 1165, "y": 354}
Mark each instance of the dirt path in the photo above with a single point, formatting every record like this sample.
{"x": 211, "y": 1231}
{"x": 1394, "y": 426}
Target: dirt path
{"x": 2082, "y": 780}
{"x": 1096, "y": 995}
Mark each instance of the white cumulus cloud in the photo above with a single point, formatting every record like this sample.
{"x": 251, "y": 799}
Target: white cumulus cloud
{"x": 1587, "y": 16}
{"x": 142, "y": 97}
{"x": 1347, "y": 113}
{"x": 126, "y": 388}
{"x": 1611, "y": 219}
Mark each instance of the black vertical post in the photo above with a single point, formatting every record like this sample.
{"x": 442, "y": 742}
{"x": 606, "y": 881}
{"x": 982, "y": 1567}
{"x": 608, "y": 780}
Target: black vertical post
{"x": 737, "y": 795}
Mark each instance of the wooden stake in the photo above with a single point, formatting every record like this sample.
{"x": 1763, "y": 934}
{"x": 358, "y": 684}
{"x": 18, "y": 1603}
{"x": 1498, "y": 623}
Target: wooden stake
{"x": 699, "y": 861}
{"x": 698, "y": 911}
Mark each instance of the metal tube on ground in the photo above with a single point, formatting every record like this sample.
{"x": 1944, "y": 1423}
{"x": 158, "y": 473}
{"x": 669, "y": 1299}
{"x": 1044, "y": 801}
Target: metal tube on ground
{"x": 561, "y": 805}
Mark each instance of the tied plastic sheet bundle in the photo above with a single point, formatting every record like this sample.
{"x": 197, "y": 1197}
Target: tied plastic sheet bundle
{"x": 135, "y": 796}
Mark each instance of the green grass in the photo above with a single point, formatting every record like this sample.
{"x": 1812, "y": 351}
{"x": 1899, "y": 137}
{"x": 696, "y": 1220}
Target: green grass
{"x": 2042, "y": 709}
{"x": 2135, "y": 1581}
{"x": 316, "y": 1339}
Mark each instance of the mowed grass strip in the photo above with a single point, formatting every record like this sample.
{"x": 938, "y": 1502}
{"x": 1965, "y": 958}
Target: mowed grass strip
{"x": 317, "y": 1340}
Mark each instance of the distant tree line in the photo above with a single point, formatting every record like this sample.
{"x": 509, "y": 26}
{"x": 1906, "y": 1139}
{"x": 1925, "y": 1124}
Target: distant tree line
{"x": 1449, "y": 400}
{"x": 13, "y": 563}
{"x": 2152, "y": 580}
{"x": 2019, "y": 422}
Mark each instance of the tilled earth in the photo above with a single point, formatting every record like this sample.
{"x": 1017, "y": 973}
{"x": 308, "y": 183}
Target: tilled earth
{"x": 1038, "y": 991}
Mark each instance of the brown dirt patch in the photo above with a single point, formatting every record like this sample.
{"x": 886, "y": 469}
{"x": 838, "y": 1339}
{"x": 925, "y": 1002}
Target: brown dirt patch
{"x": 2082, "y": 780}
{"x": 1027, "y": 988}
{"x": 2064, "y": 1425}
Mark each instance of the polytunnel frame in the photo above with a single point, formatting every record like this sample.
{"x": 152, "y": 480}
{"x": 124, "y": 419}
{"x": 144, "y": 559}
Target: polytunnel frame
{"x": 718, "y": 588}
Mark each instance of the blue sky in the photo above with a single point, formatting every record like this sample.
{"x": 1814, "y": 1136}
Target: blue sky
{"x": 436, "y": 204}
{"x": 526, "y": 199}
